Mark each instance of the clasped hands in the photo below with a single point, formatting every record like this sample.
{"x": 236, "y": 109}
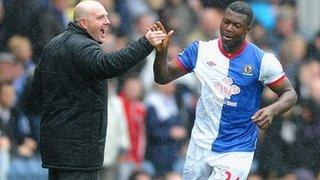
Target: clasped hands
{"x": 158, "y": 36}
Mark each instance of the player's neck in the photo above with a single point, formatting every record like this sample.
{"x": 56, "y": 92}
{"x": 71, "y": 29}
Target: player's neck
{"x": 233, "y": 49}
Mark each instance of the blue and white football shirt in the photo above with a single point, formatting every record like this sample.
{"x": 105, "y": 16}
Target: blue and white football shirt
{"x": 231, "y": 88}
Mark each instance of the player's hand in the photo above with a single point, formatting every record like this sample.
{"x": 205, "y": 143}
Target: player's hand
{"x": 263, "y": 118}
{"x": 166, "y": 41}
{"x": 155, "y": 36}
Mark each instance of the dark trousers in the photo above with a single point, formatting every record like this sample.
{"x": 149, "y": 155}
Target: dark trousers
{"x": 61, "y": 174}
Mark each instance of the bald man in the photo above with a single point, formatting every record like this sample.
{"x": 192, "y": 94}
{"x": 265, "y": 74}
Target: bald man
{"x": 69, "y": 91}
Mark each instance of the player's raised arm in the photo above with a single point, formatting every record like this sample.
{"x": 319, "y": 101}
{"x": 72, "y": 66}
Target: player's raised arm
{"x": 165, "y": 71}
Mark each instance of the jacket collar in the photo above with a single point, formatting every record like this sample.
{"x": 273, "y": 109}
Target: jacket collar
{"x": 75, "y": 28}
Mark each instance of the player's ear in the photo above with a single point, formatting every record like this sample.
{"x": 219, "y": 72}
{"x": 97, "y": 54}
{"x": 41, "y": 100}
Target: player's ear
{"x": 248, "y": 28}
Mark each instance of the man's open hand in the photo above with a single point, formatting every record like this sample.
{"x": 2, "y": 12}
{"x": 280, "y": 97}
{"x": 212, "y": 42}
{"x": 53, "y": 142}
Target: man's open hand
{"x": 166, "y": 40}
{"x": 155, "y": 36}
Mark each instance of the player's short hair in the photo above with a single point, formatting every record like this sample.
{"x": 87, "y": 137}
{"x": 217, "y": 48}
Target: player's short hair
{"x": 242, "y": 8}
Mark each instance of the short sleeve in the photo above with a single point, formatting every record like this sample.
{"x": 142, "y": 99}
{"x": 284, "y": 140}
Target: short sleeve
{"x": 188, "y": 57}
{"x": 271, "y": 70}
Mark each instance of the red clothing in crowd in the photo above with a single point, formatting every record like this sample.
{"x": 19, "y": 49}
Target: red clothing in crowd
{"x": 135, "y": 112}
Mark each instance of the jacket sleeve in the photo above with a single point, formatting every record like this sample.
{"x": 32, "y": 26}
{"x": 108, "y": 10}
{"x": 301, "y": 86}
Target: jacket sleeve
{"x": 91, "y": 59}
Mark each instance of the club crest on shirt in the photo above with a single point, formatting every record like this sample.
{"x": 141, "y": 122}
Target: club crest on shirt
{"x": 247, "y": 70}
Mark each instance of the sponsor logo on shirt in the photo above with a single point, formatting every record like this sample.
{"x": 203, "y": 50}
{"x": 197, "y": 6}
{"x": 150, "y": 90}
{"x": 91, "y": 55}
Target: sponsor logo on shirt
{"x": 226, "y": 88}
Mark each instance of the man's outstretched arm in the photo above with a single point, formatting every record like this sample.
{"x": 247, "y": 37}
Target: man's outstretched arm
{"x": 96, "y": 63}
{"x": 165, "y": 71}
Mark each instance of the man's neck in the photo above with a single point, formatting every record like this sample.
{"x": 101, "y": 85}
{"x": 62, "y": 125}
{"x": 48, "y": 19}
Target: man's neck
{"x": 232, "y": 49}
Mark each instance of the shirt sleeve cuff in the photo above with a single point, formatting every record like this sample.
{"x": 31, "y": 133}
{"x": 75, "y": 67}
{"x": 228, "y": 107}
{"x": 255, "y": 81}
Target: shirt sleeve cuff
{"x": 276, "y": 82}
{"x": 177, "y": 61}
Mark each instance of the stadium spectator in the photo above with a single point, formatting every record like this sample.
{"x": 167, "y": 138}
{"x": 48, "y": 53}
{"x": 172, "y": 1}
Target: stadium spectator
{"x": 135, "y": 113}
{"x": 7, "y": 103}
{"x": 313, "y": 50}
{"x": 9, "y": 69}
{"x": 139, "y": 175}
{"x": 117, "y": 140}
{"x": 21, "y": 48}
{"x": 164, "y": 128}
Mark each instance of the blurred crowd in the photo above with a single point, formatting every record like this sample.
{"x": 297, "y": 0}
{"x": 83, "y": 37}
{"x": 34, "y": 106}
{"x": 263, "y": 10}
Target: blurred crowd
{"x": 149, "y": 124}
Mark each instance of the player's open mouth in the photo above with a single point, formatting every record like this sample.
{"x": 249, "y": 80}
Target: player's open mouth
{"x": 228, "y": 38}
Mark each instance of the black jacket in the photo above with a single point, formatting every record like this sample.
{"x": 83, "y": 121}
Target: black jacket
{"x": 69, "y": 89}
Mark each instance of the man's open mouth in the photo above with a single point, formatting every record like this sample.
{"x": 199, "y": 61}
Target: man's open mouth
{"x": 103, "y": 31}
{"x": 226, "y": 37}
